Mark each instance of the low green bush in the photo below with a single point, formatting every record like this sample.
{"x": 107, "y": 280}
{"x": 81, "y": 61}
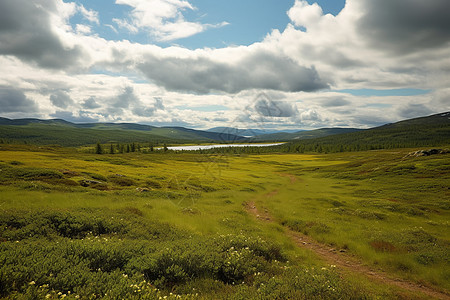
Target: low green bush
{"x": 121, "y": 180}
{"x": 113, "y": 254}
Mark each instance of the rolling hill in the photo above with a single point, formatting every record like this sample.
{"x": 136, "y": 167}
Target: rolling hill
{"x": 425, "y": 131}
{"x": 61, "y": 132}
{"x": 430, "y": 131}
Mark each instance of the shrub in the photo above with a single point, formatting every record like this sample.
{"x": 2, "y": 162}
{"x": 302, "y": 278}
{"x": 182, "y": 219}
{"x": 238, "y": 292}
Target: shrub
{"x": 307, "y": 227}
{"x": 96, "y": 176}
{"x": 153, "y": 184}
{"x": 121, "y": 180}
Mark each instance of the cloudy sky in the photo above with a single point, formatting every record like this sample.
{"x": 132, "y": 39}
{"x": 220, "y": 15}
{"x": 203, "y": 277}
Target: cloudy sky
{"x": 259, "y": 64}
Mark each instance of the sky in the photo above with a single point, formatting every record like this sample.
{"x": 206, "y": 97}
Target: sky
{"x": 259, "y": 64}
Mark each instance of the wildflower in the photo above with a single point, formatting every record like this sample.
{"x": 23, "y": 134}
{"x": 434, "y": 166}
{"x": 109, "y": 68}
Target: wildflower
{"x": 32, "y": 283}
{"x": 47, "y": 296}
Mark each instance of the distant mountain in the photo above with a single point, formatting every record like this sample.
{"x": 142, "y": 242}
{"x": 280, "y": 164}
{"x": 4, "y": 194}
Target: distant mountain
{"x": 27, "y": 121}
{"x": 425, "y": 131}
{"x": 281, "y": 135}
{"x": 301, "y": 135}
{"x": 65, "y": 133}
{"x": 118, "y": 126}
{"x": 247, "y": 132}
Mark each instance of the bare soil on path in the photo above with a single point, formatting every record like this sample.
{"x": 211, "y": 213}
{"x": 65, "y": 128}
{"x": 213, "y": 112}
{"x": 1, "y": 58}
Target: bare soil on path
{"x": 344, "y": 261}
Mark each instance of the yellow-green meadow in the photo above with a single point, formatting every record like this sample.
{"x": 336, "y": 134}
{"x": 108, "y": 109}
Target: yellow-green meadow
{"x": 144, "y": 226}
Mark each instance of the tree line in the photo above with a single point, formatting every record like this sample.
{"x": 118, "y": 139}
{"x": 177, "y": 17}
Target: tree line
{"x": 119, "y": 148}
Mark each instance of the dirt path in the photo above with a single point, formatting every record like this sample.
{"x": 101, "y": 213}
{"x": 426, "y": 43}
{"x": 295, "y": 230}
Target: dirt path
{"x": 292, "y": 178}
{"x": 343, "y": 260}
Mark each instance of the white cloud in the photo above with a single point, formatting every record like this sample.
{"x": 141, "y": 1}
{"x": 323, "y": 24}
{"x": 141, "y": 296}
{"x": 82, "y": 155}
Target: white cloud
{"x": 83, "y": 29}
{"x": 90, "y": 15}
{"x": 163, "y": 19}
{"x": 303, "y": 14}
{"x": 111, "y": 27}
{"x": 37, "y": 32}
{"x": 40, "y": 53}
{"x": 61, "y": 99}
{"x": 124, "y": 24}
{"x": 15, "y": 101}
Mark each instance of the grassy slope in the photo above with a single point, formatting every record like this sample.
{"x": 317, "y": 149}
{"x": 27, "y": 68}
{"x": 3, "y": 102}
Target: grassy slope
{"x": 44, "y": 134}
{"x": 425, "y": 131}
{"x": 396, "y": 208}
{"x": 389, "y": 210}
{"x": 60, "y": 132}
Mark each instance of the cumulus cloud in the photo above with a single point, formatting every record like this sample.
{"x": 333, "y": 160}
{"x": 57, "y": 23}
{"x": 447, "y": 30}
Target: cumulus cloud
{"x": 305, "y": 15}
{"x": 267, "y": 107}
{"x": 126, "y": 98}
{"x": 13, "y": 100}
{"x": 129, "y": 100}
{"x": 405, "y": 25}
{"x": 27, "y": 31}
{"x": 310, "y": 115}
{"x": 90, "y": 15}
{"x": 335, "y": 102}
{"x": 83, "y": 29}
{"x": 159, "y": 103}
{"x": 61, "y": 99}
{"x": 413, "y": 110}
{"x": 161, "y": 18}
{"x": 143, "y": 110}
{"x": 255, "y": 70}
{"x": 368, "y": 45}
{"x": 371, "y": 44}
{"x": 90, "y": 103}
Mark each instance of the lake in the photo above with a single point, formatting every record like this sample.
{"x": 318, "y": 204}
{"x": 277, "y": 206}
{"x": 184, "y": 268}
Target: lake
{"x": 206, "y": 147}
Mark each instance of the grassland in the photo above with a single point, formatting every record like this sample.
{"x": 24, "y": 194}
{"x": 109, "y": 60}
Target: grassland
{"x": 144, "y": 226}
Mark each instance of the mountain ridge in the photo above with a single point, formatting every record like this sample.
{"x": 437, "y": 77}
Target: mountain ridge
{"x": 65, "y": 133}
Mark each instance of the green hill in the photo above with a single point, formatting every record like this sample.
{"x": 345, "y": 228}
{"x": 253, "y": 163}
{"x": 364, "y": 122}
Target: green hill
{"x": 60, "y": 132}
{"x": 425, "y": 131}
{"x": 431, "y": 131}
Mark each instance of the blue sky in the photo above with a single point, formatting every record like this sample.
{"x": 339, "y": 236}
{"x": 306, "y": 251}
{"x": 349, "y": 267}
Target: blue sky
{"x": 207, "y": 63}
{"x": 265, "y": 15}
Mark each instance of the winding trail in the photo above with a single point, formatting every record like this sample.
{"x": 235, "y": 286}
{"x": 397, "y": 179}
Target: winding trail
{"x": 343, "y": 260}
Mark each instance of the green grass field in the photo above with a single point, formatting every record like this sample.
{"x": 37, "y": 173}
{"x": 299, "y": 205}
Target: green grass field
{"x": 144, "y": 226}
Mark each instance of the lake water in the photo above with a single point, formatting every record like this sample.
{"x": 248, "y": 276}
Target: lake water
{"x": 206, "y": 147}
